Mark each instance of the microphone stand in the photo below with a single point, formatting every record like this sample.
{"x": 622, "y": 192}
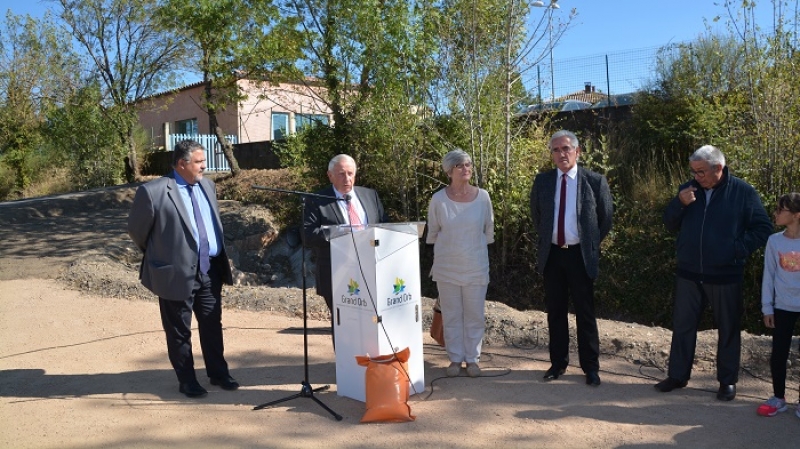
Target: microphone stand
{"x": 306, "y": 390}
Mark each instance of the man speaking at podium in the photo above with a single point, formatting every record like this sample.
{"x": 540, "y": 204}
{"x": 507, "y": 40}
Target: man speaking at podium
{"x": 353, "y": 206}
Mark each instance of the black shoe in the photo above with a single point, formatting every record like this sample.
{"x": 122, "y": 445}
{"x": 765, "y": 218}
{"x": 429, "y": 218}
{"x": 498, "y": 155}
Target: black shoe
{"x": 226, "y": 383}
{"x": 669, "y": 384}
{"x": 726, "y": 392}
{"x": 553, "y": 373}
{"x": 193, "y": 389}
{"x": 593, "y": 379}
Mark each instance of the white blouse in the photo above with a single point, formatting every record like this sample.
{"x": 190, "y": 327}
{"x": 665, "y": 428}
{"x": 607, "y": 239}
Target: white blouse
{"x": 460, "y": 232}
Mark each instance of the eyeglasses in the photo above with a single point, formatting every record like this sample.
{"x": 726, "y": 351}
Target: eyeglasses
{"x": 562, "y": 150}
{"x": 702, "y": 173}
{"x": 464, "y": 165}
{"x": 778, "y": 210}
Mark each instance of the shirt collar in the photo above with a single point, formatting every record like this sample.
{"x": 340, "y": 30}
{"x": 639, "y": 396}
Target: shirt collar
{"x": 572, "y": 173}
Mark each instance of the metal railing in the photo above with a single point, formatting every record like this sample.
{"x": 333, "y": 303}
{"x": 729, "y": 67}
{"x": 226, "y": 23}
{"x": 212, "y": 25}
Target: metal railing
{"x": 215, "y": 158}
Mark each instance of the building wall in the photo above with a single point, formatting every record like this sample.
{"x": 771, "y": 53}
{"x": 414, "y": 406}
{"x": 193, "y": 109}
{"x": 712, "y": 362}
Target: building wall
{"x": 264, "y": 99}
{"x": 250, "y": 122}
{"x": 158, "y": 115}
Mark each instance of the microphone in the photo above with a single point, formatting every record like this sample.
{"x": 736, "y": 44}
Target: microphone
{"x": 347, "y": 197}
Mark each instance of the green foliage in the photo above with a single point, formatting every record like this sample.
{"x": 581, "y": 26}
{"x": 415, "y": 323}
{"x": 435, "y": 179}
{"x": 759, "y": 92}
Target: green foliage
{"x": 131, "y": 56}
{"x": 78, "y": 136}
{"x": 737, "y": 91}
{"x": 37, "y": 69}
{"x": 7, "y": 181}
{"x": 637, "y": 266}
{"x": 236, "y": 42}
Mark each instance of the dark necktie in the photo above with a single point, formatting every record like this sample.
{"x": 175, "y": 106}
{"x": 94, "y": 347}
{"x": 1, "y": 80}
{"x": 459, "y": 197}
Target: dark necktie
{"x": 205, "y": 261}
{"x": 562, "y": 208}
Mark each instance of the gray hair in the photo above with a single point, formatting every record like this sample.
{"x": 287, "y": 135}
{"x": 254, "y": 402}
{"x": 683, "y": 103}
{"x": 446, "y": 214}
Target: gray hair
{"x": 573, "y": 139}
{"x": 453, "y": 158}
{"x": 710, "y": 154}
{"x": 341, "y": 158}
{"x": 184, "y": 149}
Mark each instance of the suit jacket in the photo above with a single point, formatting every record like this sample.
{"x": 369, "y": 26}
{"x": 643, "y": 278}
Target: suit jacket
{"x": 595, "y": 208}
{"x": 159, "y": 224}
{"x": 326, "y": 212}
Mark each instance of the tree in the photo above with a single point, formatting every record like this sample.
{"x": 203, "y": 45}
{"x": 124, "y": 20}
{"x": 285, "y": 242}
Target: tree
{"x": 374, "y": 60}
{"x": 77, "y": 137}
{"x": 737, "y": 90}
{"x": 129, "y": 53}
{"x": 37, "y": 71}
{"x": 769, "y": 136}
{"x": 236, "y": 42}
{"x": 485, "y": 52}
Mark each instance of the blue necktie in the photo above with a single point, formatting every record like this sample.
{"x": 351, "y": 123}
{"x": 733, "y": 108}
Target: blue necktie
{"x": 205, "y": 261}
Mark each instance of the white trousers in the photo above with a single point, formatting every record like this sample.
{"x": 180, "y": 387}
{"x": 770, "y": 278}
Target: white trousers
{"x": 463, "y": 317}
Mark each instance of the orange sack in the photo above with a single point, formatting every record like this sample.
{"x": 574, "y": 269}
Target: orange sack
{"x": 437, "y": 327}
{"x": 387, "y": 387}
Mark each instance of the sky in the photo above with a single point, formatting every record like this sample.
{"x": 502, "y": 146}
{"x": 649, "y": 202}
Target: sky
{"x": 604, "y": 26}
{"x": 600, "y": 27}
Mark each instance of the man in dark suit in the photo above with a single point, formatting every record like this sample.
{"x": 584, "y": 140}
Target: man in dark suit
{"x": 175, "y": 221}
{"x": 571, "y": 209}
{"x": 353, "y": 205}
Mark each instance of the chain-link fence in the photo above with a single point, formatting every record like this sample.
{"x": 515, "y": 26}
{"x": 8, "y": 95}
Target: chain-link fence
{"x": 615, "y": 73}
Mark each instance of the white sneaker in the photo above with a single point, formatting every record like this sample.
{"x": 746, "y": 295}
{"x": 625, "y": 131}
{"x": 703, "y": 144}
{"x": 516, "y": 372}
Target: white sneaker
{"x": 454, "y": 369}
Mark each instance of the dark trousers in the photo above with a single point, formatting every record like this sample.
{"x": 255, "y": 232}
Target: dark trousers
{"x": 323, "y": 283}
{"x": 564, "y": 277}
{"x": 176, "y": 318}
{"x": 781, "y": 345}
{"x": 691, "y": 299}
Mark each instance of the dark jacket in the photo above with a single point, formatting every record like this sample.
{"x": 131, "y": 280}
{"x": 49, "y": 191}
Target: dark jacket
{"x": 715, "y": 239}
{"x": 326, "y": 212}
{"x": 595, "y": 210}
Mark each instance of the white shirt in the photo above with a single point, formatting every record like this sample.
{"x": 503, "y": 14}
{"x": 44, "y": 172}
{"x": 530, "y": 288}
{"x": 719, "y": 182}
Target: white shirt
{"x": 362, "y": 214}
{"x": 571, "y": 236}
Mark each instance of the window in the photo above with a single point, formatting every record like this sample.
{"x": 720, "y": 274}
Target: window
{"x": 187, "y": 127}
{"x": 303, "y": 121}
{"x": 280, "y": 125}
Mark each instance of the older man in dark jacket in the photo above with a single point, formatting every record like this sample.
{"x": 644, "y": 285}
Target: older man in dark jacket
{"x": 572, "y": 210}
{"x": 720, "y": 221}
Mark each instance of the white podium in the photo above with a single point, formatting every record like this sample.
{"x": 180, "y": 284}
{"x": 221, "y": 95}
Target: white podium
{"x": 376, "y": 300}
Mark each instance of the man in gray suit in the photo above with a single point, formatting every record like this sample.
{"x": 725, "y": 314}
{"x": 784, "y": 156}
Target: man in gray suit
{"x": 353, "y": 205}
{"x": 175, "y": 221}
{"x": 571, "y": 209}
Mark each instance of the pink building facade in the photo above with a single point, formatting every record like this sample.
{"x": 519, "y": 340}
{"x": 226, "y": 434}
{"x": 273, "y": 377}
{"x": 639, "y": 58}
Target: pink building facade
{"x": 270, "y": 112}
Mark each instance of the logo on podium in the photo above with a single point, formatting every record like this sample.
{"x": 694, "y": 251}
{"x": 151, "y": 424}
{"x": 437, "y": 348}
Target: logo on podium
{"x": 353, "y": 296}
{"x": 399, "y": 295}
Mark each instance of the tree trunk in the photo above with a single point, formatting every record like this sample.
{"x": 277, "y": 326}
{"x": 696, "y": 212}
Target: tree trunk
{"x": 227, "y": 149}
{"x": 134, "y": 171}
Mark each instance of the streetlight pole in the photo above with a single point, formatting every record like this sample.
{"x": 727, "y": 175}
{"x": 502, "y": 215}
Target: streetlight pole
{"x": 553, "y": 5}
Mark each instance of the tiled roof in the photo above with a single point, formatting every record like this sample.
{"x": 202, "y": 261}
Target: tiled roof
{"x": 582, "y": 95}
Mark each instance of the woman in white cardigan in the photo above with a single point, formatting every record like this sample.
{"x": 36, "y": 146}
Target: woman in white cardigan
{"x": 460, "y": 226}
